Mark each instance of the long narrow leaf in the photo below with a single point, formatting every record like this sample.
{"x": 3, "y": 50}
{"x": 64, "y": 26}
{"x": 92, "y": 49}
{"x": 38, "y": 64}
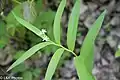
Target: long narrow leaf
{"x": 56, "y": 27}
{"x": 53, "y": 63}
{"x": 82, "y": 71}
{"x": 31, "y": 27}
{"x": 72, "y": 25}
{"x": 88, "y": 44}
{"x": 29, "y": 53}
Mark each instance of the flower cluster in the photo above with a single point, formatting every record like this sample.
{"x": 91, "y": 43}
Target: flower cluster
{"x": 45, "y": 38}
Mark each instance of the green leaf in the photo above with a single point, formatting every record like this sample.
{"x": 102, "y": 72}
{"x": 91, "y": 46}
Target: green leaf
{"x": 18, "y": 54}
{"x": 57, "y": 21}
{"x": 3, "y": 34}
{"x": 53, "y": 63}
{"x": 39, "y": 5}
{"x": 2, "y": 44}
{"x": 19, "y": 68}
{"x": 42, "y": 19}
{"x": 43, "y": 22}
{"x": 30, "y": 27}
{"x": 3, "y": 41}
{"x": 72, "y": 25}
{"x": 24, "y": 10}
{"x": 89, "y": 60}
{"x": 11, "y": 29}
{"x": 27, "y": 75}
{"x": 117, "y": 54}
{"x": 29, "y": 53}
{"x": 82, "y": 71}
{"x": 36, "y": 72}
{"x": 2, "y": 28}
{"x": 10, "y": 18}
{"x": 29, "y": 12}
{"x": 87, "y": 52}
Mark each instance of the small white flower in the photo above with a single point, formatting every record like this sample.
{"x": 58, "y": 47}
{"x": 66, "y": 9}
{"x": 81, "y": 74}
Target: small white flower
{"x": 43, "y": 31}
{"x": 45, "y": 38}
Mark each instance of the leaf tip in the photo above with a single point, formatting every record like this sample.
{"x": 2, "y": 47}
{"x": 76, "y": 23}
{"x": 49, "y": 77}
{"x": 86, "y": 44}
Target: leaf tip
{"x": 9, "y": 69}
{"x": 105, "y": 11}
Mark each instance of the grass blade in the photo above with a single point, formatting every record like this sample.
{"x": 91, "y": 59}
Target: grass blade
{"x": 88, "y": 44}
{"x": 53, "y": 63}
{"x": 72, "y": 25}
{"x": 82, "y": 71}
{"x": 29, "y": 53}
{"x": 56, "y": 26}
{"x": 30, "y": 27}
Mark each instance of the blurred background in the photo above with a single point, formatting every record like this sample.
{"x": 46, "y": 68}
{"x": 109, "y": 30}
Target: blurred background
{"x": 16, "y": 39}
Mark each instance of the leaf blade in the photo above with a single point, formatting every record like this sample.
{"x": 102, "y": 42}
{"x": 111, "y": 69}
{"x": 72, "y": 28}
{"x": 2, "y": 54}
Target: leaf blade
{"x": 30, "y": 27}
{"x": 82, "y": 71}
{"x": 29, "y": 53}
{"x": 53, "y": 63}
{"x": 72, "y": 25}
{"x": 56, "y": 25}
{"x": 27, "y": 75}
{"x": 88, "y": 43}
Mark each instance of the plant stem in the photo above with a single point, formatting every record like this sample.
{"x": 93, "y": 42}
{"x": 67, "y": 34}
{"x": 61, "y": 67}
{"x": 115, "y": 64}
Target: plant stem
{"x": 65, "y": 48}
{"x": 68, "y": 50}
{"x": 16, "y": 1}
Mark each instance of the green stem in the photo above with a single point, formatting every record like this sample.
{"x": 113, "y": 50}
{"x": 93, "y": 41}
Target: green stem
{"x": 16, "y": 1}
{"x": 65, "y": 48}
